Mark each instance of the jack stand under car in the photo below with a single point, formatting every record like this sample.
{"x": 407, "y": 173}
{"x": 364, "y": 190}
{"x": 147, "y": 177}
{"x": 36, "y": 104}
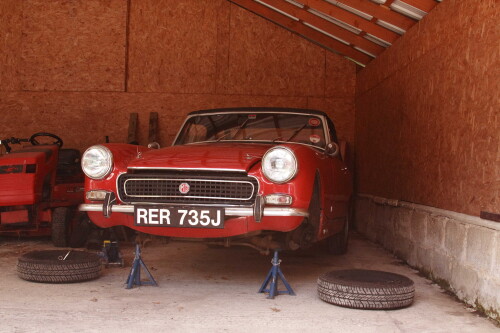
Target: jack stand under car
{"x": 134, "y": 277}
{"x": 272, "y": 280}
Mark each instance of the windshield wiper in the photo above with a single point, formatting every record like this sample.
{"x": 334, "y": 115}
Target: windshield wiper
{"x": 237, "y": 132}
{"x": 296, "y": 132}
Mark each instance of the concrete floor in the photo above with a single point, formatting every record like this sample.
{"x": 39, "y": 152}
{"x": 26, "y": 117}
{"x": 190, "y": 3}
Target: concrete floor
{"x": 215, "y": 290}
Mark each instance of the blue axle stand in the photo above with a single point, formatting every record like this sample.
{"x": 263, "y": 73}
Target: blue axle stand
{"x": 272, "y": 278}
{"x": 134, "y": 278}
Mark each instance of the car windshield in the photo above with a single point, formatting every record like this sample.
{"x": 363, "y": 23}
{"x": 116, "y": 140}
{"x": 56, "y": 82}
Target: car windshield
{"x": 253, "y": 127}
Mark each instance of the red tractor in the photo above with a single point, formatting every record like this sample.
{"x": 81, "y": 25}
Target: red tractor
{"x": 41, "y": 186}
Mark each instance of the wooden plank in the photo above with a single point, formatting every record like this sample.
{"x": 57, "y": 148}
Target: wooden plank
{"x": 381, "y": 12}
{"x": 346, "y": 35}
{"x": 132, "y": 128}
{"x": 352, "y": 19}
{"x": 490, "y": 216}
{"x": 153, "y": 127}
{"x": 425, "y": 5}
{"x": 303, "y": 30}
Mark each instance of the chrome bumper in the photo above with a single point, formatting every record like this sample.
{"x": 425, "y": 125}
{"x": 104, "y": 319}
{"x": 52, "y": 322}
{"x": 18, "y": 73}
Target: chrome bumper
{"x": 229, "y": 211}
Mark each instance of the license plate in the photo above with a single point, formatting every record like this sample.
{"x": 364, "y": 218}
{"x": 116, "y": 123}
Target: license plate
{"x": 179, "y": 217}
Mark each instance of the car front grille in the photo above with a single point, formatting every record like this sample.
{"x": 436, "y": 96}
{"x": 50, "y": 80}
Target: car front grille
{"x": 206, "y": 188}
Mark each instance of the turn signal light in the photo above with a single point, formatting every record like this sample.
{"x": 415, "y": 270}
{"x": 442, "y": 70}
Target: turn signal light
{"x": 279, "y": 199}
{"x": 96, "y": 195}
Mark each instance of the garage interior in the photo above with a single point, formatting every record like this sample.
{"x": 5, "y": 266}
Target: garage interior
{"x": 411, "y": 85}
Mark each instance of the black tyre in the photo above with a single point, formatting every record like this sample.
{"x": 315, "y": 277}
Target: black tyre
{"x": 61, "y": 217}
{"x": 45, "y": 266}
{"x": 80, "y": 231}
{"x": 366, "y": 289}
{"x": 338, "y": 243}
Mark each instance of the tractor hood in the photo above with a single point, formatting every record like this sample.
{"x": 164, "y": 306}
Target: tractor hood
{"x": 221, "y": 156}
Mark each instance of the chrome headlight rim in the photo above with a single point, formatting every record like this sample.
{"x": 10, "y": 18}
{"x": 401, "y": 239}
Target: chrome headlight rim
{"x": 295, "y": 165}
{"x": 108, "y": 156}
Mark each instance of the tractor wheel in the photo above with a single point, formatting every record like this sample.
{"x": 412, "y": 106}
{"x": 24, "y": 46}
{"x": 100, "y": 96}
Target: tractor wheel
{"x": 366, "y": 289}
{"x": 50, "y": 267}
{"x": 80, "y": 230}
{"x": 61, "y": 217}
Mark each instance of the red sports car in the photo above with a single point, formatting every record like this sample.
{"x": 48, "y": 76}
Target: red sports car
{"x": 263, "y": 177}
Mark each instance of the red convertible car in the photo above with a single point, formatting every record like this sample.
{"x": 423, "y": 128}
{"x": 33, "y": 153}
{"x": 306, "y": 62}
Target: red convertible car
{"x": 263, "y": 177}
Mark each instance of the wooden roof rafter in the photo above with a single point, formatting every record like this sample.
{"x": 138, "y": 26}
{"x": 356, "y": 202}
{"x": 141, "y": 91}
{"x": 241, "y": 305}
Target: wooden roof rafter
{"x": 352, "y": 19}
{"x": 357, "y": 29}
{"x": 316, "y": 21}
{"x": 380, "y": 12}
{"x": 303, "y": 30}
{"x": 424, "y": 5}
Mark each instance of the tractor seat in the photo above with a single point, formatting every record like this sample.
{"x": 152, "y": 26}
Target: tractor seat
{"x": 68, "y": 157}
{"x": 68, "y": 166}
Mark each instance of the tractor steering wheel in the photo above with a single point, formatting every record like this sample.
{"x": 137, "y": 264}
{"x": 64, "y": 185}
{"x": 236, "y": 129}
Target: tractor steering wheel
{"x": 58, "y": 141}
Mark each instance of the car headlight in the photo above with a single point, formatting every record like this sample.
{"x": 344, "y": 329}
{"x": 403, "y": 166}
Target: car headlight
{"x": 279, "y": 164}
{"x": 97, "y": 162}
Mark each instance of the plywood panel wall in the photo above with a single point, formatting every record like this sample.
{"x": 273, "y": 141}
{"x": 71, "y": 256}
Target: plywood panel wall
{"x": 79, "y": 68}
{"x": 173, "y": 46}
{"x": 73, "y": 45}
{"x": 10, "y": 44}
{"x": 427, "y": 123}
{"x": 264, "y": 61}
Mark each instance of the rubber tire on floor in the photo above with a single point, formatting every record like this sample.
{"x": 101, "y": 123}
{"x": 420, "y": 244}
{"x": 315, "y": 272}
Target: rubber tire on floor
{"x": 44, "y": 266}
{"x": 59, "y": 227}
{"x": 366, "y": 289}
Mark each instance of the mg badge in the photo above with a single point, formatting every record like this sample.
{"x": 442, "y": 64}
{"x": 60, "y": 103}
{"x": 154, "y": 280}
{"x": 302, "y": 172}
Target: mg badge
{"x": 184, "y": 188}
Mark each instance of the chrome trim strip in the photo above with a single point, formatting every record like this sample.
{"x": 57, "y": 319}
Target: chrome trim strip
{"x": 229, "y": 211}
{"x": 190, "y": 169}
{"x": 325, "y": 125}
{"x": 187, "y": 196}
{"x": 257, "y": 141}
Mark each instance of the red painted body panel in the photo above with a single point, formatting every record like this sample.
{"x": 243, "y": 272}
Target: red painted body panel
{"x": 33, "y": 188}
{"x": 336, "y": 187}
{"x": 16, "y": 216}
{"x": 204, "y": 156}
{"x": 26, "y": 188}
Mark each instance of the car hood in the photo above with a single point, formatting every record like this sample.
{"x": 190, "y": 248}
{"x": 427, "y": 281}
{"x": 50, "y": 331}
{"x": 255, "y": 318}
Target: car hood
{"x": 221, "y": 156}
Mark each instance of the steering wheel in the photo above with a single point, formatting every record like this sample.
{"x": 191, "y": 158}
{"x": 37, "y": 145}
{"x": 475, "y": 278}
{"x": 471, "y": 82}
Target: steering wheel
{"x": 58, "y": 141}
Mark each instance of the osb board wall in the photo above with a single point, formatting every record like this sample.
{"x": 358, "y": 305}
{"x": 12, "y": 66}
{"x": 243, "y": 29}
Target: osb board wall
{"x": 78, "y": 68}
{"x": 173, "y": 46}
{"x": 10, "y": 42}
{"x": 62, "y": 45}
{"x": 427, "y": 122}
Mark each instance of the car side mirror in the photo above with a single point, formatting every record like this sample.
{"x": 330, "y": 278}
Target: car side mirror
{"x": 332, "y": 149}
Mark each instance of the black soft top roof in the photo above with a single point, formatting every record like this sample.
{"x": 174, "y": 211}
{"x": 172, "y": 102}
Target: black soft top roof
{"x": 259, "y": 109}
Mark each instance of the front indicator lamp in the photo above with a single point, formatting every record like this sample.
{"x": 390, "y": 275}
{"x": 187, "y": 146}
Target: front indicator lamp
{"x": 279, "y": 199}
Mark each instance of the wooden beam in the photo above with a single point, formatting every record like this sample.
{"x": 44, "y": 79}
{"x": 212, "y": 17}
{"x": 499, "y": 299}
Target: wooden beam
{"x": 153, "y": 127}
{"x": 318, "y": 22}
{"x": 381, "y": 12}
{"x": 303, "y": 31}
{"x": 132, "y": 128}
{"x": 425, "y": 5}
{"x": 352, "y": 19}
